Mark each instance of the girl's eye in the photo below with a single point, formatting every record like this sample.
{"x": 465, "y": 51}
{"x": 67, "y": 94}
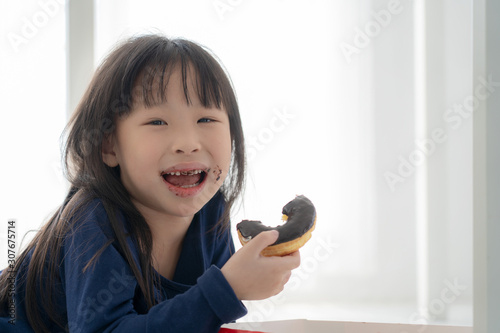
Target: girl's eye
{"x": 157, "y": 122}
{"x": 205, "y": 120}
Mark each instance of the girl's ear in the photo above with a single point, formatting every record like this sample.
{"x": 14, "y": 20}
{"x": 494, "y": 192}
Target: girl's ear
{"x": 108, "y": 151}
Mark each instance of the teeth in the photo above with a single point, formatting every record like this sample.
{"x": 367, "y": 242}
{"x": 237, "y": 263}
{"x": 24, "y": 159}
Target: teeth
{"x": 185, "y": 173}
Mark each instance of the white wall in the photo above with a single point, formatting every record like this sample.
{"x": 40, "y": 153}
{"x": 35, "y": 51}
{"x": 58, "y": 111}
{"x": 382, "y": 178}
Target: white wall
{"x": 32, "y": 115}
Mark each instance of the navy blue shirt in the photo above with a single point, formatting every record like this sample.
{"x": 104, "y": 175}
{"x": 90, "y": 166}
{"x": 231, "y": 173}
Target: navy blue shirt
{"x": 106, "y": 297}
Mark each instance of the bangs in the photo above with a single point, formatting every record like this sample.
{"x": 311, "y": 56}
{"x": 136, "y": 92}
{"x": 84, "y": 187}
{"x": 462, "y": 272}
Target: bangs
{"x": 194, "y": 63}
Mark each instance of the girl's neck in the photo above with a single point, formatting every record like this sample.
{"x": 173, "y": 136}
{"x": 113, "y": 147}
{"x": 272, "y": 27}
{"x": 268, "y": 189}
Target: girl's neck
{"x": 168, "y": 234}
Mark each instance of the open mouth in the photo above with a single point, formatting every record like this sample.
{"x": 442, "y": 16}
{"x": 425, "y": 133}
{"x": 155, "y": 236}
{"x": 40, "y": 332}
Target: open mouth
{"x": 185, "y": 179}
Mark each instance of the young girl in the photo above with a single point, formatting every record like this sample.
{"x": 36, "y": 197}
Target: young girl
{"x": 142, "y": 243}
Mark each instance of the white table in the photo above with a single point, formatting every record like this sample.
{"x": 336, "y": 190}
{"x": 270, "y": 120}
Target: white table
{"x": 312, "y": 326}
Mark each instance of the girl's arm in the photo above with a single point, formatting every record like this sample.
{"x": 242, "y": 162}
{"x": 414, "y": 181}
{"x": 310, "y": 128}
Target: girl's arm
{"x": 102, "y": 298}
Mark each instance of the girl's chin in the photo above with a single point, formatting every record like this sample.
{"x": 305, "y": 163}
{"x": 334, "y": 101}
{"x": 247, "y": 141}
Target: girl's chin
{"x": 192, "y": 204}
{"x": 185, "y": 210}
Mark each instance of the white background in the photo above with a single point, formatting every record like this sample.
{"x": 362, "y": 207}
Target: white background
{"x": 351, "y": 119}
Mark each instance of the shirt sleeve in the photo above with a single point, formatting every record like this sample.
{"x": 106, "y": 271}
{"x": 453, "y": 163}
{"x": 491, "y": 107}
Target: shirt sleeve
{"x": 224, "y": 248}
{"x": 100, "y": 298}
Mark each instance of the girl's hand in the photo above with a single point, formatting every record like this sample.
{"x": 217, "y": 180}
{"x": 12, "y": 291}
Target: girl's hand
{"x": 253, "y": 276}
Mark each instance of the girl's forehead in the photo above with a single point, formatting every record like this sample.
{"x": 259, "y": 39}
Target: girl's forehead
{"x": 154, "y": 86}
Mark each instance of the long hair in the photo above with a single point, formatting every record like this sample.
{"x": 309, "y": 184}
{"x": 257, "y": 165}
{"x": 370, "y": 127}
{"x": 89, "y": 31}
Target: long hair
{"x": 132, "y": 72}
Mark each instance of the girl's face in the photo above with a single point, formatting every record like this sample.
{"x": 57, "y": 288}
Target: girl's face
{"x": 173, "y": 157}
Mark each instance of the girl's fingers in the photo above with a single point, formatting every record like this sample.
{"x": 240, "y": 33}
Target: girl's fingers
{"x": 287, "y": 277}
{"x": 291, "y": 261}
{"x": 263, "y": 240}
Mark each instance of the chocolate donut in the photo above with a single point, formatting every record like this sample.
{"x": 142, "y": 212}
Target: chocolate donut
{"x": 300, "y": 219}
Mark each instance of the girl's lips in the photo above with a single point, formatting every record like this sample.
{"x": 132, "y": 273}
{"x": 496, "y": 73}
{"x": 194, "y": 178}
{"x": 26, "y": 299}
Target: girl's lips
{"x": 192, "y": 179}
{"x": 187, "y": 190}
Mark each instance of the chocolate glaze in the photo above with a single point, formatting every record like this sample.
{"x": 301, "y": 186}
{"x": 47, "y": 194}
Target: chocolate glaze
{"x": 301, "y": 215}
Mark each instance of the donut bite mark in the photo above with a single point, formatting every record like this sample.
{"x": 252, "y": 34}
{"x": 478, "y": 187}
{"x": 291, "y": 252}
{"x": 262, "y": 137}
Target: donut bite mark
{"x": 300, "y": 220}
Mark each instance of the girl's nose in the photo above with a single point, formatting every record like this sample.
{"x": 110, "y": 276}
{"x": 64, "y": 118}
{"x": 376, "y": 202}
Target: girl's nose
{"x": 186, "y": 141}
{"x": 186, "y": 150}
